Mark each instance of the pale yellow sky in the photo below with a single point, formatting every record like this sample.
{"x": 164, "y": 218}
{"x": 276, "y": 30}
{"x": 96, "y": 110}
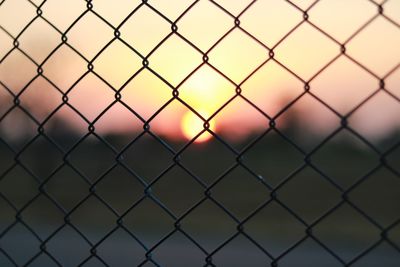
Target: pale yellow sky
{"x": 304, "y": 52}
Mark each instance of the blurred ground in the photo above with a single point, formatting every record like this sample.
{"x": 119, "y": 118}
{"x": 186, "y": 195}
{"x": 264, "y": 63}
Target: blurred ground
{"x": 312, "y": 191}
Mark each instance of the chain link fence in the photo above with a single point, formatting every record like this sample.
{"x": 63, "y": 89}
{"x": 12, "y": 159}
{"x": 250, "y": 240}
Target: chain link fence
{"x": 277, "y": 196}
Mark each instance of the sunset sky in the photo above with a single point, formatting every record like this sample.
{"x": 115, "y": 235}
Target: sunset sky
{"x": 304, "y": 52}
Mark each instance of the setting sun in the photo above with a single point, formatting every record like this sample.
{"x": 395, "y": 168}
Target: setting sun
{"x": 244, "y": 68}
{"x": 192, "y": 125}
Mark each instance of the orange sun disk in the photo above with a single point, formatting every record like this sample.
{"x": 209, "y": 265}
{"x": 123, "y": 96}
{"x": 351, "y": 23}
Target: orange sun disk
{"x": 192, "y": 125}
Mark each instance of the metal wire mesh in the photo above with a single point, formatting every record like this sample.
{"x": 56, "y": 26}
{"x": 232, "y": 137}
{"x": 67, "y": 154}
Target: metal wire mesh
{"x": 66, "y": 157}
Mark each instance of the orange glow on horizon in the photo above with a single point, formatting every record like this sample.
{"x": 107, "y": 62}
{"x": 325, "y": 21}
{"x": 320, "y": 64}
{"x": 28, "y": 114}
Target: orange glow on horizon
{"x": 237, "y": 78}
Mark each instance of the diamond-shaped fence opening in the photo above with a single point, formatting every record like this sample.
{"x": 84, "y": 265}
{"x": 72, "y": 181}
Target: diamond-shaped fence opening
{"x": 204, "y": 36}
{"x": 200, "y": 133}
